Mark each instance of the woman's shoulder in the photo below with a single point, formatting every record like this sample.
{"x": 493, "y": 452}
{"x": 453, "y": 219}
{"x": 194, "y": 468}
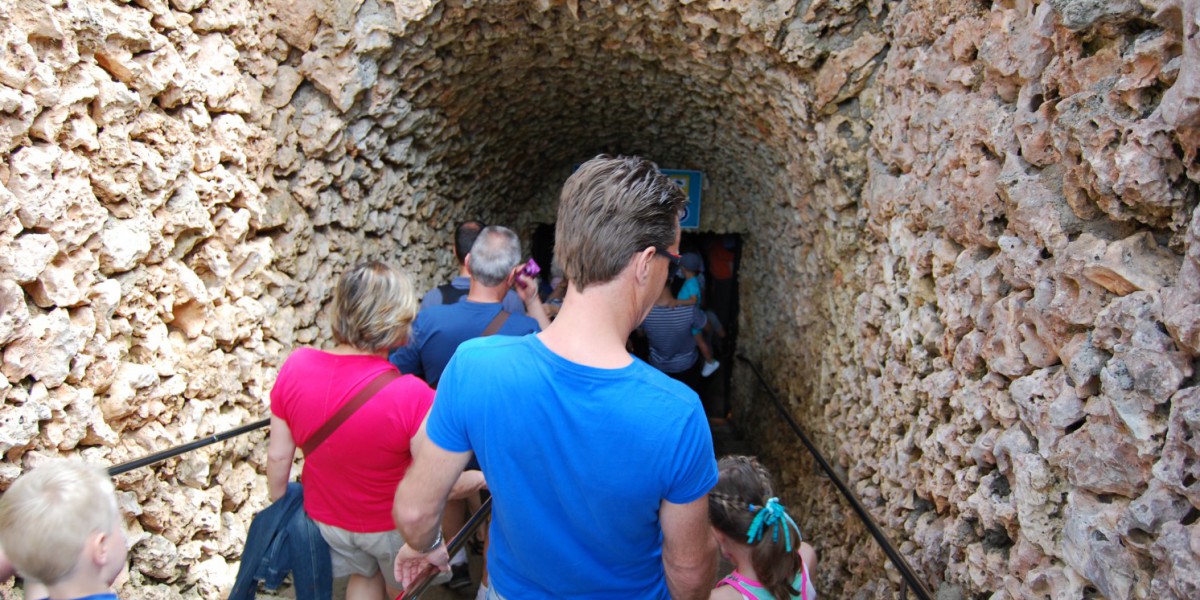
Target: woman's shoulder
{"x": 409, "y": 384}
{"x": 305, "y": 355}
{"x": 407, "y": 392}
{"x": 300, "y": 361}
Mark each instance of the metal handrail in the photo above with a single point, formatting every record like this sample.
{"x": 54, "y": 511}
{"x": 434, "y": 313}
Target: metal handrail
{"x": 413, "y": 590}
{"x": 901, "y": 565}
{"x": 416, "y": 588}
{"x": 177, "y": 450}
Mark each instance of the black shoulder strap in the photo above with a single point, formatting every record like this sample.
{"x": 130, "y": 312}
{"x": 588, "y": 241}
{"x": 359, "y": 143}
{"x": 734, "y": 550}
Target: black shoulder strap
{"x": 451, "y": 294}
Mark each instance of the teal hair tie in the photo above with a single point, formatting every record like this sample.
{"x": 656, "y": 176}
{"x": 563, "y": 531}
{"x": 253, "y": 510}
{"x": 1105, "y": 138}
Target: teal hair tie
{"x": 771, "y": 516}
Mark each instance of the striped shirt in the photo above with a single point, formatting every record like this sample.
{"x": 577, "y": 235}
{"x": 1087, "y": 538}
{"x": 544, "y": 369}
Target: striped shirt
{"x": 669, "y": 330}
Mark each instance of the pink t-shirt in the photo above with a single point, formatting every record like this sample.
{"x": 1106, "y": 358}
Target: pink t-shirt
{"x": 350, "y": 479}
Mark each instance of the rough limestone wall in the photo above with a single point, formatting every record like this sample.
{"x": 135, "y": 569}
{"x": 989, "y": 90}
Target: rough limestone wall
{"x": 176, "y": 199}
{"x": 999, "y": 343}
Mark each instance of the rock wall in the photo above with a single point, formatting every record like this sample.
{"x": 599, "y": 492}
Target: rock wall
{"x": 971, "y": 261}
{"x": 177, "y": 197}
{"x": 995, "y": 330}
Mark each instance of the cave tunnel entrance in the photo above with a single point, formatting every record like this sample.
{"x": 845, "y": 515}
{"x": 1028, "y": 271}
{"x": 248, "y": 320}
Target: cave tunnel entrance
{"x": 965, "y": 226}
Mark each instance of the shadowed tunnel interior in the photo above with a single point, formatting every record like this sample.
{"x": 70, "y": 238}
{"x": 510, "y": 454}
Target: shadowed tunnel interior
{"x": 519, "y": 96}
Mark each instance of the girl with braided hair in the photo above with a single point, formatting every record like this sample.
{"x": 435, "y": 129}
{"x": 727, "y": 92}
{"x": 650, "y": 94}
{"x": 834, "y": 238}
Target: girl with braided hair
{"x": 757, "y": 535}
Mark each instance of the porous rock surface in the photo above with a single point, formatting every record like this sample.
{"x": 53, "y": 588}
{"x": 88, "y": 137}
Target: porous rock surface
{"x": 971, "y": 245}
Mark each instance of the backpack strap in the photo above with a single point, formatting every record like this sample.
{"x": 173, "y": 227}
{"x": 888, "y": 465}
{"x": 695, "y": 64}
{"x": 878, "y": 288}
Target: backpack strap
{"x": 348, "y": 409}
{"x": 496, "y": 324}
{"x": 451, "y": 294}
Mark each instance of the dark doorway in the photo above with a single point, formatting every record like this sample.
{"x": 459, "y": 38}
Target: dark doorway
{"x": 721, "y": 254}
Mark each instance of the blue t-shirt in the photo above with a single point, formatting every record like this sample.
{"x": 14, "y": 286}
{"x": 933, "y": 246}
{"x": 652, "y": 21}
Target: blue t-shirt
{"x": 690, "y": 289}
{"x": 578, "y": 460}
{"x": 439, "y": 329}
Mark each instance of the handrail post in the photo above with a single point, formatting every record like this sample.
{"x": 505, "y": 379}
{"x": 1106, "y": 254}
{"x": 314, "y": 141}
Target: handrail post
{"x": 893, "y": 555}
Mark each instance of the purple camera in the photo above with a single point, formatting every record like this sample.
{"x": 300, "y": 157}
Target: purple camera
{"x": 531, "y": 269}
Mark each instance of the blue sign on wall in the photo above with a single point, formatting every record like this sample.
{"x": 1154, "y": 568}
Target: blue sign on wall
{"x": 690, "y": 182}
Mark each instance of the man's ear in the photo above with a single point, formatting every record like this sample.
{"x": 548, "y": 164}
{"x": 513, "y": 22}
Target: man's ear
{"x": 644, "y": 262}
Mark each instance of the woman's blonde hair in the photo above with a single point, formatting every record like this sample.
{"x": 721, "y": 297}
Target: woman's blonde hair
{"x": 48, "y": 514}
{"x": 373, "y": 307}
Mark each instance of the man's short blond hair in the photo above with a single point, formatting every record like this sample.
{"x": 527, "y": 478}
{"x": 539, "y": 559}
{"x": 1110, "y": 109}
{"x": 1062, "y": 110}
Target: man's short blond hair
{"x": 610, "y": 209}
{"x": 48, "y": 514}
{"x": 373, "y": 307}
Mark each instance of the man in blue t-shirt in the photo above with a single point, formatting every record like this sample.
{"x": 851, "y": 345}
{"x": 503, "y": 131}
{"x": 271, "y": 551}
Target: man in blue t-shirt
{"x": 493, "y": 264}
{"x": 599, "y": 465}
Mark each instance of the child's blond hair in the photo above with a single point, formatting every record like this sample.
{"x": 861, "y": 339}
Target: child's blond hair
{"x": 48, "y": 514}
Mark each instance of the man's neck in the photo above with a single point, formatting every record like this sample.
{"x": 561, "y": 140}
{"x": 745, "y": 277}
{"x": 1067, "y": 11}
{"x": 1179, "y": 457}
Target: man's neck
{"x": 664, "y": 297}
{"x": 483, "y": 293}
{"x": 462, "y": 271}
{"x": 593, "y": 325}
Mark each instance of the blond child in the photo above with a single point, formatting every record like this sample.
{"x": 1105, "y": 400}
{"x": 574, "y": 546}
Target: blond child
{"x": 756, "y": 534}
{"x": 59, "y": 525}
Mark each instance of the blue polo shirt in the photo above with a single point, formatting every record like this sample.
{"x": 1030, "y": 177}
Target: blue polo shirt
{"x": 440, "y": 328}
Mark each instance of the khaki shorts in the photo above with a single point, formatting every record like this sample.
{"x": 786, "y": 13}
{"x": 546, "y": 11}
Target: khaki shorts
{"x": 363, "y": 553}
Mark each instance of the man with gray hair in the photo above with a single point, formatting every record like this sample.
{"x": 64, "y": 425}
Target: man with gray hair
{"x": 493, "y": 262}
{"x": 456, "y": 290}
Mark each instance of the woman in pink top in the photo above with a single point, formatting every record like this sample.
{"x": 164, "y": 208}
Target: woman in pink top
{"x": 351, "y": 478}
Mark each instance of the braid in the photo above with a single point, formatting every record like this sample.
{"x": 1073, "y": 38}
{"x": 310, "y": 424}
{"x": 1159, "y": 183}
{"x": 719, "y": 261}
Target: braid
{"x": 743, "y": 482}
{"x": 764, "y": 478}
{"x": 728, "y": 502}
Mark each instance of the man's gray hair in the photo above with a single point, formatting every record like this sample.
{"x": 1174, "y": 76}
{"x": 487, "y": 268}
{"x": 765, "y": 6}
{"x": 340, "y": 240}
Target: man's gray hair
{"x": 495, "y": 252}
